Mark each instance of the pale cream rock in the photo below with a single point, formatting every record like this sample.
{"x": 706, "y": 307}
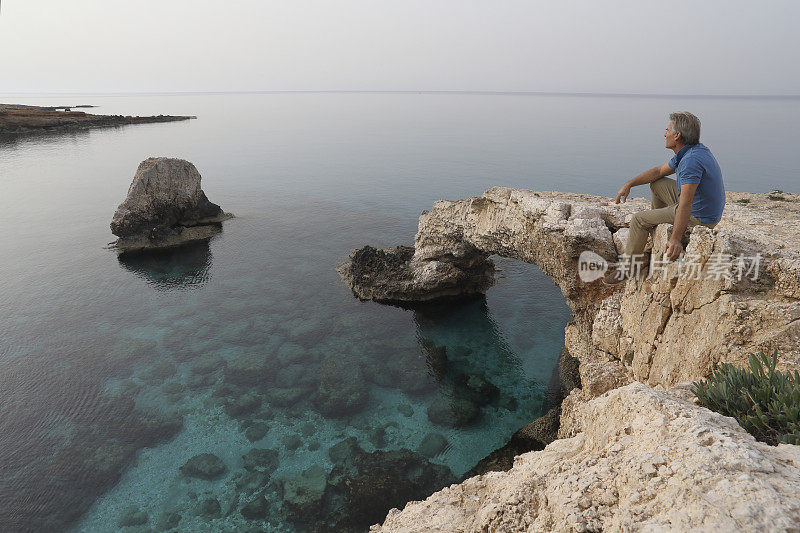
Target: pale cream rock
{"x": 645, "y": 461}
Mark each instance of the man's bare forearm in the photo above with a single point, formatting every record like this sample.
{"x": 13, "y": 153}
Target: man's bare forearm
{"x": 681, "y": 220}
{"x": 648, "y": 176}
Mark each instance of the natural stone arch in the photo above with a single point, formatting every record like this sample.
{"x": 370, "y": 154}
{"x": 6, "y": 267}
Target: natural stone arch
{"x": 661, "y": 330}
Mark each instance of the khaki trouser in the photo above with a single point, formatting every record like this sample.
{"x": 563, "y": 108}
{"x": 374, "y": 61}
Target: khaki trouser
{"x": 664, "y": 203}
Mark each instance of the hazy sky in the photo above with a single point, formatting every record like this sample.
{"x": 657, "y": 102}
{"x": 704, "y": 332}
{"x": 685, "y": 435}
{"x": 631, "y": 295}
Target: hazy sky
{"x": 637, "y": 46}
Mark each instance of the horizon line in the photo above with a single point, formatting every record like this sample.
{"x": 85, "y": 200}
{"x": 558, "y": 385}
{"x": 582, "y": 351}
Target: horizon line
{"x": 424, "y": 91}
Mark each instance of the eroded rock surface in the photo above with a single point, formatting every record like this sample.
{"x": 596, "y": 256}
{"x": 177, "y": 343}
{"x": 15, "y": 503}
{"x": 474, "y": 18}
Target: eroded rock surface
{"x": 676, "y": 325}
{"x": 645, "y": 460}
{"x": 165, "y": 207}
{"x": 737, "y": 292}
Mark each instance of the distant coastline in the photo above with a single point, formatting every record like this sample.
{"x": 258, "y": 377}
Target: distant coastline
{"x": 26, "y": 120}
{"x": 429, "y": 91}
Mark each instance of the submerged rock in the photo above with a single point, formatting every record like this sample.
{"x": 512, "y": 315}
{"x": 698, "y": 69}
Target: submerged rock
{"x": 476, "y": 389}
{"x": 253, "y": 368}
{"x": 204, "y": 466}
{"x": 260, "y": 460}
{"x": 433, "y": 444}
{"x": 372, "y": 483}
{"x": 209, "y": 508}
{"x": 168, "y": 520}
{"x": 256, "y": 508}
{"x": 165, "y": 207}
{"x": 132, "y": 516}
{"x": 343, "y": 450}
{"x": 302, "y": 495}
{"x": 242, "y": 404}
{"x": 453, "y": 412}
{"x": 256, "y": 432}
{"x": 342, "y": 389}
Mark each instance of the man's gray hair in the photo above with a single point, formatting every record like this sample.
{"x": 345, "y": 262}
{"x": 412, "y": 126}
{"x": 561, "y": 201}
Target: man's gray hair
{"x": 687, "y": 125}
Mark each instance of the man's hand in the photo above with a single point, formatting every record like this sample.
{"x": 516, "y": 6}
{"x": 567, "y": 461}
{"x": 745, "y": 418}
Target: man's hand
{"x": 673, "y": 249}
{"x": 623, "y": 193}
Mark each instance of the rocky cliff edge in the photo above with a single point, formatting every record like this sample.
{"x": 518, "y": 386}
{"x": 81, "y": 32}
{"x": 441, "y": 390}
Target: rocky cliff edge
{"x": 736, "y": 293}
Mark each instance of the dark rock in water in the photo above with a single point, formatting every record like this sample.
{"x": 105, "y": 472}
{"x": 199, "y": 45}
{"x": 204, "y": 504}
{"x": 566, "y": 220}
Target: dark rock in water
{"x": 290, "y": 376}
{"x": 209, "y": 508}
{"x": 197, "y": 381}
{"x": 292, "y": 442}
{"x": 342, "y": 450}
{"x": 314, "y": 445}
{"x": 308, "y": 429}
{"x": 265, "y": 413}
{"x": 377, "y": 437}
{"x": 132, "y": 516}
{"x": 476, "y": 389}
{"x": 433, "y": 444}
{"x": 204, "y": 466}
{"x": 411, "y": 374}
{"x": 242, "y": 404}
{"x": 206, "y": 364}
{"x": 253, "y": 368}
{"x": 303, "y": 494}
{"x": 531, "y": 437}
{"x": 286, "y": 397}
{"x": 148, "y": 428}
{"x": 256, "y": 432}
{"x": 452, "y": 412}
{"x": 260, "y": 460}
{"x": 251, "y": 481}
{"x": 370, "y": 484}
{"x": 291, "y": 353}
{"x": 507, "y": 402}
{"x": 172, "y": 387}
{"x": 342, "y": 389}
{"x": 165, "y": 207}
{"x": 159, "y": 372}
{"x": 405, "y": 410}
{"x": 257, "y": 508}
{"x": 389, "y": 275}
{"x": 168, "y": 520}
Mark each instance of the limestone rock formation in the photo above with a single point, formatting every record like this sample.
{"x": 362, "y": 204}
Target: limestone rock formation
{"x": 390, "y": 276}
{"x": 670, "y": 325}
{"x": 165, "y": 207}
{"x": 645, "y": 460}
{"x": 735, "y": 292}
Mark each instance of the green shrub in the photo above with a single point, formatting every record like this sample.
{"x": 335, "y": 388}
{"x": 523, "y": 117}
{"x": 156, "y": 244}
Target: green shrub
{"x": 765, "y": 402}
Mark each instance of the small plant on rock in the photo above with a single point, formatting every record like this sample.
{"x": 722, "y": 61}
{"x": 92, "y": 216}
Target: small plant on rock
{"x": 765, "y": 402}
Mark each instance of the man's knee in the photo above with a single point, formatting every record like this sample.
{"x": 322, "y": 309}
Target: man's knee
{"x": 638, "y": 220}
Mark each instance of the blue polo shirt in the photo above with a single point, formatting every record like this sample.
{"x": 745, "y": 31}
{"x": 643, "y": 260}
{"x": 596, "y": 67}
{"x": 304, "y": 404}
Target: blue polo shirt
{"x": 694, "y": 163}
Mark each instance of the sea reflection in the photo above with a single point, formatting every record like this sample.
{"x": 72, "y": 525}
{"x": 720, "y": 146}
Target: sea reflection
{"x": 182, "y": 268}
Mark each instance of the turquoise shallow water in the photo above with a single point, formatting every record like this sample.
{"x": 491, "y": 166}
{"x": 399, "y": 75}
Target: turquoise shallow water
{"x": 115, "y": 372}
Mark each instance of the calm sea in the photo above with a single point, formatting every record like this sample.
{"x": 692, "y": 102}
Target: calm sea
{"x": 115, "y": 372}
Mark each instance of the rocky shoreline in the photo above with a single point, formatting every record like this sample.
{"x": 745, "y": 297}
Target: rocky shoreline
{"x": 660, "y": 331}
{"x": 28, "y": 120}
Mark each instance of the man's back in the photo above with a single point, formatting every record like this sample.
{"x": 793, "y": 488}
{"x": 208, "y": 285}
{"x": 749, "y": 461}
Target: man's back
{"x": 696, "y": 164}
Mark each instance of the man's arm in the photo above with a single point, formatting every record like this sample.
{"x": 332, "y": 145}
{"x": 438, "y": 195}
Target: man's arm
{"x": 674, "y": 247}
{"x": 648, "y": 176}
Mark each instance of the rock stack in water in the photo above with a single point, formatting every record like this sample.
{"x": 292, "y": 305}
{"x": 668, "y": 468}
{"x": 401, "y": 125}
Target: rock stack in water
{"x": 165, "y": 207}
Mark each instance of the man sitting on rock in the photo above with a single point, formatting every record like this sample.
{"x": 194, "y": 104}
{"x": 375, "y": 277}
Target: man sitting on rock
{"x": 698, "y": 197}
